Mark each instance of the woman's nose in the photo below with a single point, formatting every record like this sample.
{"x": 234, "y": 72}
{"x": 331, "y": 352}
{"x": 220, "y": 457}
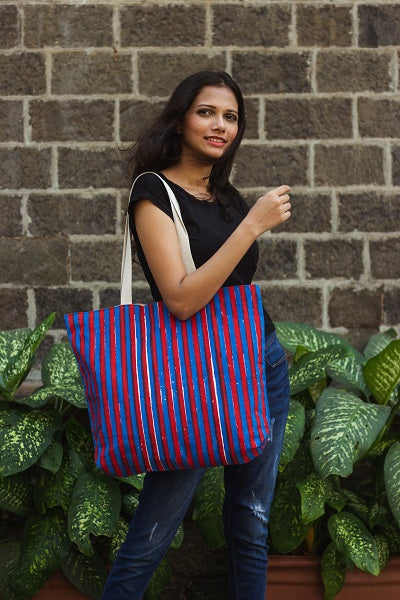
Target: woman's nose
{"x": 219, "y": 123}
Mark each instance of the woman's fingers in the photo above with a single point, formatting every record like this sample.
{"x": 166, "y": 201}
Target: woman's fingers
{"x": 282, "y": 189}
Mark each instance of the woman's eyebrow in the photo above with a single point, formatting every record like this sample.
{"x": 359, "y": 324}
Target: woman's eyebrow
{"x": 212, "y": 106}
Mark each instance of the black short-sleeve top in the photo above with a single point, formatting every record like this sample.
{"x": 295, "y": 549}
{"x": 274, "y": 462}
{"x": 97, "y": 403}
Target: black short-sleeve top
{"x": 206, "y": 225}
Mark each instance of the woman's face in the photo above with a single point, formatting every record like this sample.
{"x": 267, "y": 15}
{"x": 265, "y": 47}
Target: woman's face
{"x": 210, "y": 125}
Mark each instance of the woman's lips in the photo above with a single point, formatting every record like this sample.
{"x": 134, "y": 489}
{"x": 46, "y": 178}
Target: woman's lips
{"x": 215, "y": 140}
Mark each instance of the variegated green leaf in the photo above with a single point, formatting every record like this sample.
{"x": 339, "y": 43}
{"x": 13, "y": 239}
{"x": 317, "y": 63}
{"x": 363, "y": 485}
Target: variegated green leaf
{"x": 287, "y": 528}
{"x": 392, "y": 480}
{"x": 56, "y": 490}
{"x": 39, "y": 397}
{"x": 135, "y": 481}
{"x": 357, "y": 505}
{"x": 52, "y": 457}
{"x": 349, "y": 373}
{"x": 161, "y": 578}
{"x": 12, "y": 342}
{"x": 80, "y": 440}
{"x": 382, "y": 372}
{"x": 16, "y": 494}
{"x": 117, "y": 538}
{"x": 337, "y": 499}
{"x": 316, "y": 389}
{"x": 333, "y": 571}
{"x": 391, "y": 532}
{"x": 87, "y": 573}
{"x": 209, "y": 499}
{"x": 294, "y": 431}
{"x": 72, "y": 393}
{"x": 311, "y": 368}
{"x": 59, "y": 367}
{"x": 24, "y": 436}
{"x": 18, "y": 365}
{"x": 94, "y": 509}
{"x": 378, "y": 342}
{"x": 345, "y": 428}
{"x": 130, "y": 502}
{"x": 378, "y": 515}
{"x": 9, "y": 555}
{"x": 178, "y": 537}
{"x": 383, "y": 550}
{"x": 44, "y": 545}
{"x": 352, "y": 538}
{"x": 314, "y": 492}
{"x": 292, "y": 335}
{"x": 378, "y": 448}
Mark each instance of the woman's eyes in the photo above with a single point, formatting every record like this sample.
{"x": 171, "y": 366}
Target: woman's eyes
{"x": 208, "y": 111}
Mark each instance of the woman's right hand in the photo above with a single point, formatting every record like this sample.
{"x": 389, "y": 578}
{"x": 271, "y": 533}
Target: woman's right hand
{"x": 270, "y": 210}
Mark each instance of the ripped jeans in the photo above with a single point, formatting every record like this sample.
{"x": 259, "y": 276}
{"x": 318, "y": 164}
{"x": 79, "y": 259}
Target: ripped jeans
{"x": 249, "y": 490}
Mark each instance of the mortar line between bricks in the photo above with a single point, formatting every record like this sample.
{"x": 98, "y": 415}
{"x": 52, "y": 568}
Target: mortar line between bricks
{"x": 271, "y": 143}
{"x": 301, "y": 262}
{"x": 78, "y": 3}
{"x": 116, "y": 123}
{"x": 334, "y": 283}
{"x": 48, "y": 69}
{"x": 292, "y": 33}
{"x": 21, "y": 22}
{"x": 395, "y": 71}
{"x": 54, "y": 167}
{"x": 334, "y": 213}
{"x": 366, "y": 259}
{"x": 314, "y": 190}
{"x": 228, "y": 61}
{"x": 26, "y": 126}
{"x": 354, "y": 115}
{"x": 311, "y": 165}
{"x": 134, "y": 75}
{"x": 346, "y": 95}
{"x": 208, "y": 26}
{"x": 261, "y": 120}
{"x": 355, "y": 26}
{"x": 96, "y": 298}
{"x": 118, "y": 216}
{"x": 325, "y": 307}
{"x": 200, "y": 50}
{"x": 25, "y": 215}
{"x": 31, "y": 309}
{"x": 387, "y": 163}
{"x": 313, "y": 71}
{"x": 116, "y": 26}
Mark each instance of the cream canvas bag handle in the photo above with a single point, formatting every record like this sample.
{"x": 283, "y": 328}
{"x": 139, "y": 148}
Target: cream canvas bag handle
{"x": 126, "y": 265}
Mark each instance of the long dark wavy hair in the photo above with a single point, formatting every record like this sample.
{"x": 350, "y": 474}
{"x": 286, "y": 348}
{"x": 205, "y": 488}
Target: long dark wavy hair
{"x": 159, "y": 145}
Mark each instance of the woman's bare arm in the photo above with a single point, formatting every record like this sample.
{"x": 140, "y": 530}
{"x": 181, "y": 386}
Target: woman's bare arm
{"x": 185, "y": 294}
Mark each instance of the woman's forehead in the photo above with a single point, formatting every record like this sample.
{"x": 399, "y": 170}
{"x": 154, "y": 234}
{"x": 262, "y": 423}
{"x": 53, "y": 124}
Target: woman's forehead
{"x": 212, "y": 95}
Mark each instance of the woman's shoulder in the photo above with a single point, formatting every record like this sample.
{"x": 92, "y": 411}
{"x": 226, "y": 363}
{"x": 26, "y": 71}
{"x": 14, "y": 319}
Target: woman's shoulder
{"x": 148, "y": 181}
{"x": 149, "y": 186}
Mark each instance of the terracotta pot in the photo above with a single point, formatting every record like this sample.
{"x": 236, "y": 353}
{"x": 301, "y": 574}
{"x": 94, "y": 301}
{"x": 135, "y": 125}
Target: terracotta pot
{"x": 299, "y": 577}
{"x": 58, "y": 587}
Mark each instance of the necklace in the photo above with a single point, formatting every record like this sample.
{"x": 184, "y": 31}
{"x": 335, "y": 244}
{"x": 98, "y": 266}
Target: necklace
{"x": 203, "y": 196}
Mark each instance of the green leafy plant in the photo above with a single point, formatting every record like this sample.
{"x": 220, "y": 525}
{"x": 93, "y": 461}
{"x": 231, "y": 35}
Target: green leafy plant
{"x": 338, "y": 487}
{"x": 59, "y": 511}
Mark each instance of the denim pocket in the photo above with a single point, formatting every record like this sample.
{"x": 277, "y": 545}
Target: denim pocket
{"x": 274, "y": 353}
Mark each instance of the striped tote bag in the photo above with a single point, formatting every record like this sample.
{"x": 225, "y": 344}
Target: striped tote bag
{"x": 165, "y": 394}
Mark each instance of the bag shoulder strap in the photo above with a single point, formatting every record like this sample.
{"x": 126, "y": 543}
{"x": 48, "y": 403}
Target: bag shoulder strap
{"x": 183, "y": 238}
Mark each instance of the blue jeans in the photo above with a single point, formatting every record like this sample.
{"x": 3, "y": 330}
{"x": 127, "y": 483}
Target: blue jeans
{"x": 249, "y": 490}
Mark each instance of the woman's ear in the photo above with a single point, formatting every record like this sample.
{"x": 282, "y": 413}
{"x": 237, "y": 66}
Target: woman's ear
{"x": 178, "y": 129}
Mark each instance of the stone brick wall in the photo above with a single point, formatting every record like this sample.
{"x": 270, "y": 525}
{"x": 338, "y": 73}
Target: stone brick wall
{"x": 321, "y": 81}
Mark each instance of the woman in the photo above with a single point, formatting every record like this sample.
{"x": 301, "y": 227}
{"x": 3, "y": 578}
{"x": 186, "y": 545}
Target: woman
{"x": 192, "y": 146}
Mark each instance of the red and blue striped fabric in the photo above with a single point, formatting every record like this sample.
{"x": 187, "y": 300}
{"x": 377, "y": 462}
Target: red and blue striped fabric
{"x": 165, "y": 394}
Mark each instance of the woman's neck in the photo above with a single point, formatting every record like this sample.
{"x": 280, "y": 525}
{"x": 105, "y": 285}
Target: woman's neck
{"x": 191, "y": 176}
